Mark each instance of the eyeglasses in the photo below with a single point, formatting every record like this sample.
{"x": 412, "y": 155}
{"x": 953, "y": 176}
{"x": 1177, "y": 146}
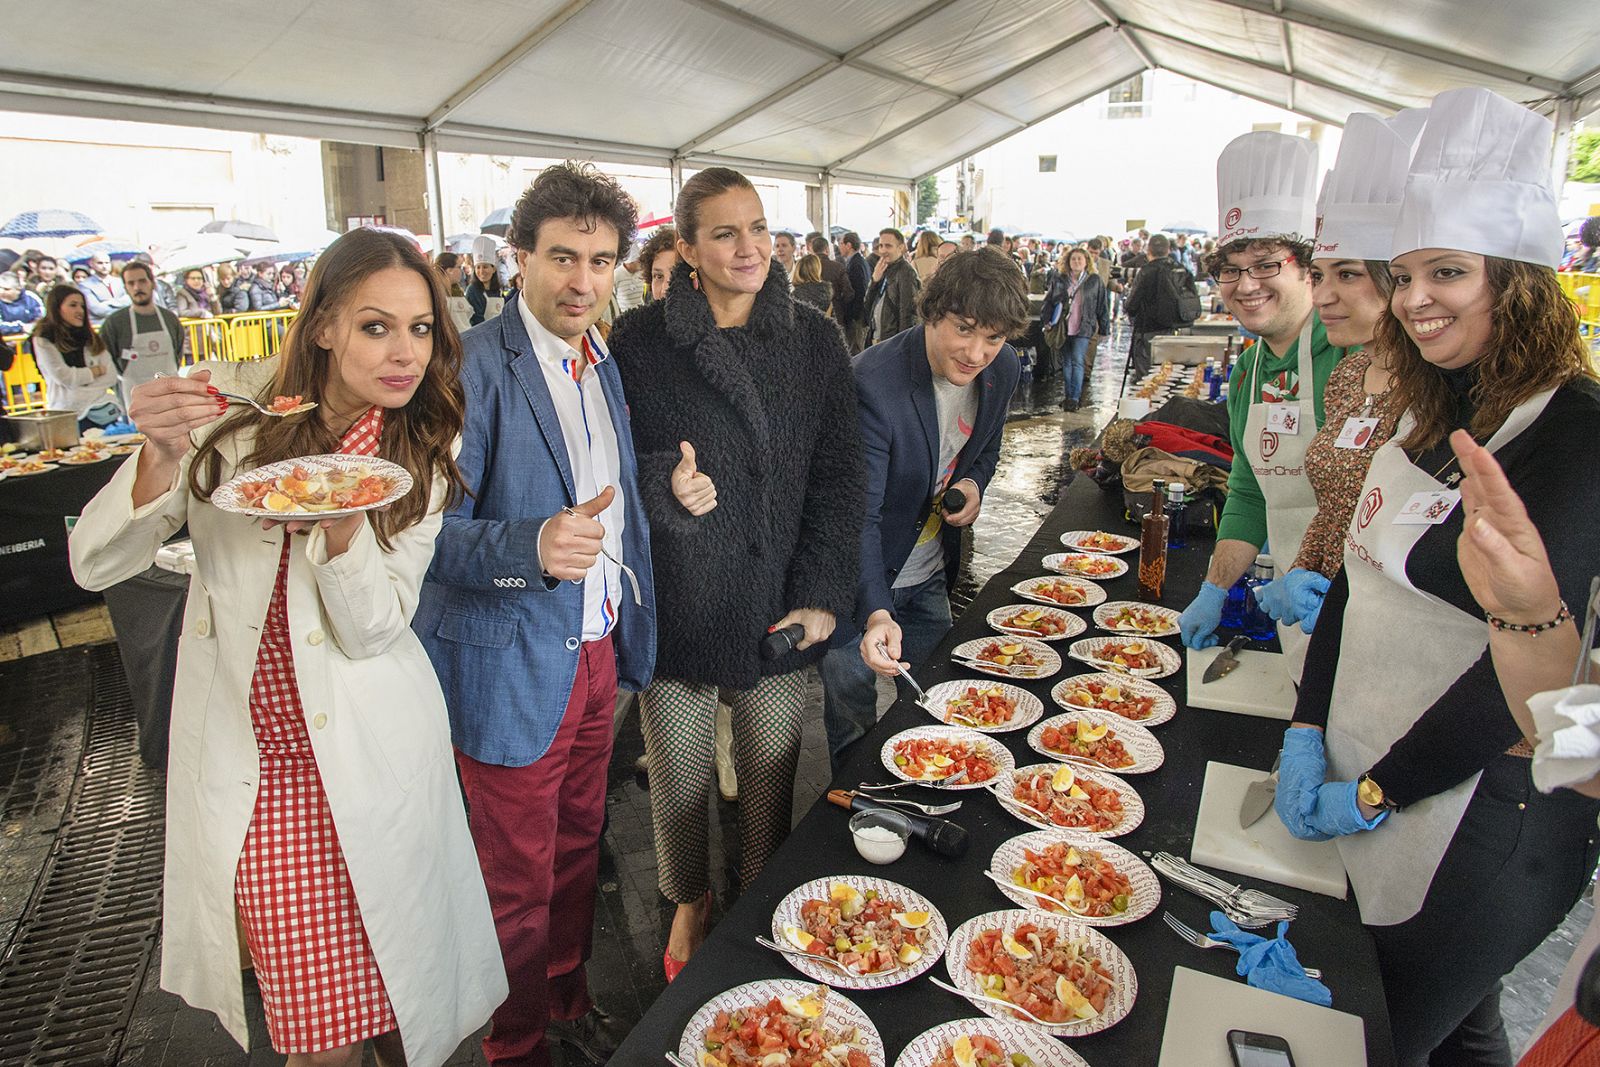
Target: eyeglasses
{"x": 1267, "y": 269}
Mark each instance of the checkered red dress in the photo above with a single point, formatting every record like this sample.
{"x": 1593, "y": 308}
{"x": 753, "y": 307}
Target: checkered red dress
{"x": 319, "y": 980}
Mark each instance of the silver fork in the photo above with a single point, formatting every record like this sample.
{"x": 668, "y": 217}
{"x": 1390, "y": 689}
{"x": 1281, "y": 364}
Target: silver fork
{"x": 785, "y": 950}
{"x": 1015, "y": 670}
{"x": 900, "y": 803}
{"x": 923, "y": 700}
{"x": 677, "y": 1060}
{"x": 1199, "y": 940}
{"x": 932, "y": 783}
{"x": 247, "y": 400}
{"x": 975, "y": 997}
{"x": 633, "y": 579}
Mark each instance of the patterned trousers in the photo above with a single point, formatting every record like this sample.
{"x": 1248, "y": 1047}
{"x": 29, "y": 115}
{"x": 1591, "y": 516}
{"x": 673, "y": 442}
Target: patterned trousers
{"x": 679, "y": 726}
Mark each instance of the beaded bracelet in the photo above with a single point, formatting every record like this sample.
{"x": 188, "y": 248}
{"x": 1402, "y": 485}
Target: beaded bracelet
{"x": 1537, "y": 628}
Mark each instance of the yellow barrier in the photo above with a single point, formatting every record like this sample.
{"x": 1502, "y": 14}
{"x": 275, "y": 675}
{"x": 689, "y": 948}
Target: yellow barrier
{"x": 235, "y": 338}
{"x": 1584, "y": 291}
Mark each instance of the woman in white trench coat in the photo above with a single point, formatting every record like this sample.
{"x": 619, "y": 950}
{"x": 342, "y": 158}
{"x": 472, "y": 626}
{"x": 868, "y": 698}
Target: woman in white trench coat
{"x": 327, "y": 616}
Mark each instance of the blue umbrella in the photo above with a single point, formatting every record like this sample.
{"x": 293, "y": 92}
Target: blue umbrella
{"x": 496, "y": 222}
{"x": 51, "y": 222}
{"x": 112, "y": 249}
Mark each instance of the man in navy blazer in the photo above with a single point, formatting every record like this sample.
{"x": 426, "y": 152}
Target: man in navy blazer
{"x": 932, "y": 402}
{"x": 530, "y": 612}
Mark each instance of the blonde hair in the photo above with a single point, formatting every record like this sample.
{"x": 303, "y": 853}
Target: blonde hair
{"x": 808, "y": 268}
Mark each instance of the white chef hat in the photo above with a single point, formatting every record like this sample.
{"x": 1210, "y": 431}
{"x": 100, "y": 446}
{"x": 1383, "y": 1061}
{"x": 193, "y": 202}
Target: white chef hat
{"x": 1360, "y": 200}
{"x": 1480, "y": 182}
{"x": 1266, "y": 187}
{"x": 483, "y": 249}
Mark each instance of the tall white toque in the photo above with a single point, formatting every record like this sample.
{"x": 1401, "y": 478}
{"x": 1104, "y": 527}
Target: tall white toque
{"x": 1266, "y": 187}
{"x": 1360, "y": 201}
{"x": 1480, "y": 182}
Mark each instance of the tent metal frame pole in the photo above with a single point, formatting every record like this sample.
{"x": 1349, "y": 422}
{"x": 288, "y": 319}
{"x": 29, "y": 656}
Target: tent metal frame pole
{"x": 1124, "y": 30}
{"x": 982, "y": 87}
{"x": 1414, "y": 49}
{"x": 827, "y": 205}
{"x": 490, "y": 74}
{"x": 1565, "y": 117}
{"x": 675, "y": 178}
{"x": 1257, "y": 97}
{"x": 430, "y": 166}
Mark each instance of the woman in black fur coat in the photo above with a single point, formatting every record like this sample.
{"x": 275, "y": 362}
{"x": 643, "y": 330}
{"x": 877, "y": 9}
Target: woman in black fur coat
{"x": 743, "y": 410}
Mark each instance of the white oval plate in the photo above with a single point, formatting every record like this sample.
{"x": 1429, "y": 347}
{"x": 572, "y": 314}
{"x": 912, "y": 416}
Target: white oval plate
{"x": 840, "y": 1014}
{"x": 1132, "y": 802}
{"x": 1123, "y": 544}
{"x": 1075, "y": 625}
{"x": 1162, "y": 710}
{"x": 1029, "y": 707}
{"x": 998, "y": 754}
{"x": 229, "y": 498}
{"x": 1166, "y": 616}
{"x": 18, "y": 472}
{"x": 1014, "y": 1037}
{"x": 1062, "y": 563}
{"x": 1088, "y": 650}
{"x": 1049, "y": 659}
{"x": 788, "y": 914}
{"x": 1125, "y": 984}
{"x": 81, "y": 459}
{"x": 1141, "y": 744}
{"x": 1028, "y": 590}
{"x": 1146, "y": 886}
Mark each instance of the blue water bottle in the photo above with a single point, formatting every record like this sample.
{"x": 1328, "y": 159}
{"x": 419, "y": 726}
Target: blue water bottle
{"x": 1256, "y": 623}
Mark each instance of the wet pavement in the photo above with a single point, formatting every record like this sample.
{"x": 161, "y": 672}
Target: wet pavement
{"x": 40, "y": 754}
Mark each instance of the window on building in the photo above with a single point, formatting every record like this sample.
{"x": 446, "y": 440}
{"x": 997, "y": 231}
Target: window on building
{"x": 1047, "y": 164}
{"x": 1128, "y": 100}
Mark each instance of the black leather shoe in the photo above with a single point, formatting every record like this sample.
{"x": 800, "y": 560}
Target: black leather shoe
{"x": 594, "y": 1036}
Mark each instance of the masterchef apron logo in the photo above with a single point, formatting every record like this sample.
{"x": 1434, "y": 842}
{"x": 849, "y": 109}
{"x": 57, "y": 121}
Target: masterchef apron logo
{"x": 1369, "y": 508}
{"x": 1233, "y": 217}
{"x": 1269, "y": 444}
{"x": 1279, "y": 471}
{"x": 1359, "y": 550}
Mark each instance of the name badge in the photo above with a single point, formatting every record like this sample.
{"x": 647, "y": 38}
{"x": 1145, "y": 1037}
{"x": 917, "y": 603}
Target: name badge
{"x": 1356, "y": 433}
{"x": 1283, "y": 418}
{"x": 1428, "y": 508}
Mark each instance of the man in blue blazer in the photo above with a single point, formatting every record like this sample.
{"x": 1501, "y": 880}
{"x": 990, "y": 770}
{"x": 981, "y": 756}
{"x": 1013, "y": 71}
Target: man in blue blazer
{"x": 932, "y": 402}
{"x": 539, "y": 602}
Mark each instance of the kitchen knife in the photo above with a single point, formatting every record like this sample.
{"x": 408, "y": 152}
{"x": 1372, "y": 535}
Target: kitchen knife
{"x": 1226, "y": 661}
{"x": 1258, "y": 798}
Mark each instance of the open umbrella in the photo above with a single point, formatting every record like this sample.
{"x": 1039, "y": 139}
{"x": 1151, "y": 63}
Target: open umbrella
{"x": 50, "y": 222}
{"x": 8, "y": 258}
{"x": 201, "y": 250}
{"x": 238, "y": 228}
{"x": 113, "y": 249}
{"x": 496, "y": 222}
{"x": 1184, "y": 227}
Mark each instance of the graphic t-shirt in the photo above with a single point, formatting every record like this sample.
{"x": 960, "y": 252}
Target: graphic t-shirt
{"x": 957, "y": 407}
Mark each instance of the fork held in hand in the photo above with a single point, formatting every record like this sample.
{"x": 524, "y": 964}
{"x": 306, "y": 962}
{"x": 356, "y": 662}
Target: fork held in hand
{"x": 627, "y": 571}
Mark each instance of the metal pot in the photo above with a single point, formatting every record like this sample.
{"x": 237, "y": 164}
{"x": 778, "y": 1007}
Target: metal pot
{"x": 39, "y": 430}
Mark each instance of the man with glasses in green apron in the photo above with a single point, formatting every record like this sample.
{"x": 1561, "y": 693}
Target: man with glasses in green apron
{"x": 1266, "y": 189}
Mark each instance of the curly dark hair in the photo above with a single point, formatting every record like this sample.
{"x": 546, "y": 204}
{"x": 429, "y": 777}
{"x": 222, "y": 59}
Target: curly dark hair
{"x": 1297, "y": 246}
{"x": 1589, "y": 232}
{"x": 573, "y": 190}
{"x": 663, "y": 240}
{"x": 980, "y": 286}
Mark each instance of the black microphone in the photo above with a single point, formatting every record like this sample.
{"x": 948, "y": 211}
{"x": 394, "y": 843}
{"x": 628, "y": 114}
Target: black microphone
{"x": 782, "y": 642}
{"x": 953, "y": 500}
{"x": 940, "y": 835}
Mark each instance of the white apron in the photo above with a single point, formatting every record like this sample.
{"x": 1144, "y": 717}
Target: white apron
{"x": 151, "y": 354}
{"x": 1400, "y": 650}
{"x": 493, "y": 306}
{"x": 460, "y": 313}
{"x": 1279, "y": 462}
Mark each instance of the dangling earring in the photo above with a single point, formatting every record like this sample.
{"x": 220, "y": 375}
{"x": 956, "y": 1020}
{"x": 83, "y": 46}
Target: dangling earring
{"x": 694, "y": 278}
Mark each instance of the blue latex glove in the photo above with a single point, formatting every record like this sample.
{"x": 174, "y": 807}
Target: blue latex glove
{"x": 1290, "y": 598}
{"x": 1270, "y": 964}
{"x": 1199, "y": 620}
{"x": 1312, "y": 809}
{"x": 1310, "y": 609}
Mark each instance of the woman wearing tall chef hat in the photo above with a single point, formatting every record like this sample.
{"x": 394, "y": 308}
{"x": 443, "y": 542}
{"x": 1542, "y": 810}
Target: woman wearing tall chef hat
{"x": 1350, "y": 287}
{"x": 1460, "y": 866}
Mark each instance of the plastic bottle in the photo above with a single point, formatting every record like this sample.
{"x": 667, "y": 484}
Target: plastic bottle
{"x": 1177, "y": 515}
{"x": 1256, "y": 623}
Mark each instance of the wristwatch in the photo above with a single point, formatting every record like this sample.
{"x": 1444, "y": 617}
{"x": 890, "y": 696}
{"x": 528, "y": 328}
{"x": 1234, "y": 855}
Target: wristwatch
{"x": 1370, "y": 793}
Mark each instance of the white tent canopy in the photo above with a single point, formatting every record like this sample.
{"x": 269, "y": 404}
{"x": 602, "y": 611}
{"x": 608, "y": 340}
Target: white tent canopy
{"x": 860, "y": 91}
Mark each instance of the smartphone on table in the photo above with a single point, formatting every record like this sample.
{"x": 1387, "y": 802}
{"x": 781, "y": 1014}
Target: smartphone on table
{"x": 1258, "y": 1050}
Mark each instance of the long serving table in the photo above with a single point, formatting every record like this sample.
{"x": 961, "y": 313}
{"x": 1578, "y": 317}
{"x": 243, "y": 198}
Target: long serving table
{"x": 35, "y": 576}
{"x": 1328, "y": 933}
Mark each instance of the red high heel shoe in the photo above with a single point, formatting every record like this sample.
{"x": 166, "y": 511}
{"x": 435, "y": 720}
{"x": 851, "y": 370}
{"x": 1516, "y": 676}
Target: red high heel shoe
{"x": 673, "y": 966}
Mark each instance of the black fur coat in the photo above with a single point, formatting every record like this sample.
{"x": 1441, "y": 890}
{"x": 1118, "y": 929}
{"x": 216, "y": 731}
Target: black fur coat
{"x": 770, "y": 409}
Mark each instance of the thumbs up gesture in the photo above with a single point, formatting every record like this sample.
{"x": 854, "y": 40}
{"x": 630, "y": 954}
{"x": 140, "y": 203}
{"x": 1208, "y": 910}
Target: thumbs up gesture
{"x": 570, "y": 542}
{"x": 693, "y": 488}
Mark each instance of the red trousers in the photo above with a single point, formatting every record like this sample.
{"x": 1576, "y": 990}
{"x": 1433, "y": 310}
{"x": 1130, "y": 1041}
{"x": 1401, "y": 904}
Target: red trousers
{"x": 537, "y": 834}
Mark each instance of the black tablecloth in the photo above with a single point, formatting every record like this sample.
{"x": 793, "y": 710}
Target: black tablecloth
{"x": 1328, "y": 933}
{"x": 147, "y": 613}
{"x": 35, "y": 578}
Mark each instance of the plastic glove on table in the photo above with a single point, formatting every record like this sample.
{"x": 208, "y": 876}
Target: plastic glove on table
{"x": 1270, "y": 963}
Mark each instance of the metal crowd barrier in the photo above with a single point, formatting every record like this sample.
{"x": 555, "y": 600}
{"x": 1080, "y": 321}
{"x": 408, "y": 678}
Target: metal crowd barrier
{"x": 1584, "y": 291}
{"x": 235, "y": 338}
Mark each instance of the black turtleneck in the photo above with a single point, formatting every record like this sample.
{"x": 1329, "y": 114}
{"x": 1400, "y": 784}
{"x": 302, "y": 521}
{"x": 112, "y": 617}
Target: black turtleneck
{"x": 1550, "y": 465}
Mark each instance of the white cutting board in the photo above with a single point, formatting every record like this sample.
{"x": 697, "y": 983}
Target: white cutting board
{"x": 1203, "y": 1008}
{"x": 1259, "y": 685}
{"x": 1266, "y": 850}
